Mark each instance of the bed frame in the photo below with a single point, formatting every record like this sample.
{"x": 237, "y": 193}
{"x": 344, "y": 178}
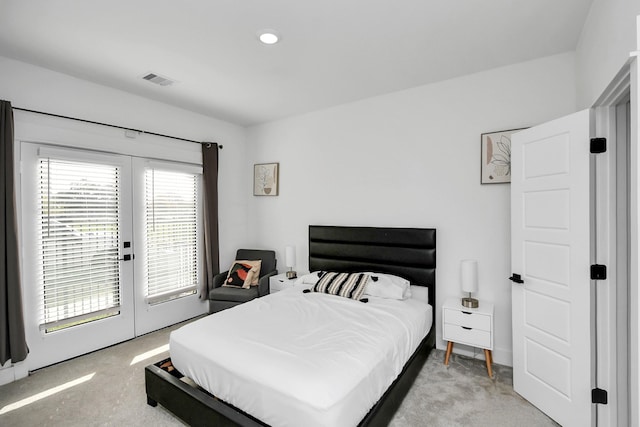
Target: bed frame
{"x": 405, "y": 252}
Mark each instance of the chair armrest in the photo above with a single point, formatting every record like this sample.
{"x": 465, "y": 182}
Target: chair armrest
{"x": 263, "y": 283}
{"x": 219, "y": 279}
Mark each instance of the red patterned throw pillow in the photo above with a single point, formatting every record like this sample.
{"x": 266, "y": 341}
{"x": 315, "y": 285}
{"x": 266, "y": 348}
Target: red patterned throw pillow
{"x": 243, "y": 274}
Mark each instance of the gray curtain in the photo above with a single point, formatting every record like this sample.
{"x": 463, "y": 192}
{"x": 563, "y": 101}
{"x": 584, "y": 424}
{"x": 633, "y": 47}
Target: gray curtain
{"x": 211, "y": 245}
{"x": 13, "y": 344}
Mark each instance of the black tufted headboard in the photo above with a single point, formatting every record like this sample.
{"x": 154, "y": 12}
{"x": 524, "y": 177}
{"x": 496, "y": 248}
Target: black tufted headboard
{"x": 404, "y": 252}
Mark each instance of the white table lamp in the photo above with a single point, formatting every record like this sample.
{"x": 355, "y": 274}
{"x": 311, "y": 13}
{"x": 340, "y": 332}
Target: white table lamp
{"x": 469, "y": 281}
{"x": 290, "y": 261}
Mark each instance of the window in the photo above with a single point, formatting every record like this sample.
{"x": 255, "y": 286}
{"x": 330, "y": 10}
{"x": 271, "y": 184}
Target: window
{"x": 78, "y": 240}
{"x": 171, "y": 234}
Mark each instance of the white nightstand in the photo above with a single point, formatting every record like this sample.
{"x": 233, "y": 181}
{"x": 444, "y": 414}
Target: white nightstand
{"x": 280, "y": 282}
{"x": 470, "y": 326}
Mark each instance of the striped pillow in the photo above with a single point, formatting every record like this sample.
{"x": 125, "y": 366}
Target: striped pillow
{"x": 348, "y": 285}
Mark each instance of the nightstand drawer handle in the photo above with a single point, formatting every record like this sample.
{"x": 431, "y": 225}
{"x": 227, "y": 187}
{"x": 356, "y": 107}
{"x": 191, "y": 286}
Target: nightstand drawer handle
{"x": 468, "y": 329}
{"x": 466, "y": 312}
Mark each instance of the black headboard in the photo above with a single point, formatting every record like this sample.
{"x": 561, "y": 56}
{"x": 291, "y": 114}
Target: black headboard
{"x": 404, "y": 252}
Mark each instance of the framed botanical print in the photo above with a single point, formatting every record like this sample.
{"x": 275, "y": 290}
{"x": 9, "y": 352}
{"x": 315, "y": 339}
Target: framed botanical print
{"x": 265, "y": 179}
{"x": 496, "y": 156}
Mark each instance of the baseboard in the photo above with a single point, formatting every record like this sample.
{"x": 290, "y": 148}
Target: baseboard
{"x": 13, "y": 372}
{"x": 7, "y": 375}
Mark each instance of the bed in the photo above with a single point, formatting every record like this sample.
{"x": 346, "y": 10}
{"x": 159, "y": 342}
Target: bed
{"x": 404, "y": 252}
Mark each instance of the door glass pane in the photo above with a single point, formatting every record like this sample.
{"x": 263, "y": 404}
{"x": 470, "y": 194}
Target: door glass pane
{"x": 171, "y": 234}
{"x": 79, "y": 205}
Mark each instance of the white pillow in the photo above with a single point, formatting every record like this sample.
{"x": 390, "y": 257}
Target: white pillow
{"x": 388, "y": 286}
{"x": 421, "y": 293}
{"x": 308, "y": 279}
{"x": 407, "y": 293}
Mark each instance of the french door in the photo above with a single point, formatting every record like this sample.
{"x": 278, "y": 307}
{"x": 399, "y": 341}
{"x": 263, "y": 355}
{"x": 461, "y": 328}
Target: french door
{"x": 111, "y": 248}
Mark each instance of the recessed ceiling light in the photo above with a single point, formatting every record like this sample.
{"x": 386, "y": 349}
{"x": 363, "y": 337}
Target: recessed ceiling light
{"x": 269, "y": 37}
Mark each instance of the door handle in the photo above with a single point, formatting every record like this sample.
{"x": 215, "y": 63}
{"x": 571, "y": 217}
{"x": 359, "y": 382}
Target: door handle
{"x": 515, "y": 278}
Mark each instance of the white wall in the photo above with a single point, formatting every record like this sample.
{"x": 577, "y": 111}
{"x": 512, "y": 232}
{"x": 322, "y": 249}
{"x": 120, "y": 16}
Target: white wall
{"x": 608, "y": 36}
{"x": 411, "y": 158}
{"x": 36, "y": 88}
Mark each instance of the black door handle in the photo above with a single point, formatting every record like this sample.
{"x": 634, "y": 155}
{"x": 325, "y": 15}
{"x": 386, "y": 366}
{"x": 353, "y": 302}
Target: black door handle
{"x": 516, "y": 278}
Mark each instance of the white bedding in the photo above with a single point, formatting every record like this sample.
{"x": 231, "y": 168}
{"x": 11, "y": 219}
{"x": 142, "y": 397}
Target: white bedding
{"x": 293, "y": 359}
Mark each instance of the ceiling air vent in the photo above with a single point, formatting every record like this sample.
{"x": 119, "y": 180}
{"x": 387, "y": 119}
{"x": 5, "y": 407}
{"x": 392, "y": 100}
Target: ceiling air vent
{"x": 157, "y": 79}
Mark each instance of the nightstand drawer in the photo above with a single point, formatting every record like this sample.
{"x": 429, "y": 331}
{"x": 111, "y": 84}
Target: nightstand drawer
{"x": 279, "y": 282}
{"x": 472, "y": 337}
{"x": 473, "y": 320}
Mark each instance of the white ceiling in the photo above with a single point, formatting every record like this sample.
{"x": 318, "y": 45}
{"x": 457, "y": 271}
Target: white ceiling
{"x": 331, "y": 51}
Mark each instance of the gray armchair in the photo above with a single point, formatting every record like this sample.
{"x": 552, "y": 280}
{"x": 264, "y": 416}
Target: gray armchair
{"x": 222, "y": 297}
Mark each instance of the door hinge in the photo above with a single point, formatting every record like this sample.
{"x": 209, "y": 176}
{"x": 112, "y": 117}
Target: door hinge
{"x": 598, "y": 272}
{"x": 599, "y": 396}
{"x": 598, "y": 145}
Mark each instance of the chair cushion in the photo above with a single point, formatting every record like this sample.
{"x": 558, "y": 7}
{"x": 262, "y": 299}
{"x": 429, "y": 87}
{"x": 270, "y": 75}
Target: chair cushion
{"x": 225, "y": 293}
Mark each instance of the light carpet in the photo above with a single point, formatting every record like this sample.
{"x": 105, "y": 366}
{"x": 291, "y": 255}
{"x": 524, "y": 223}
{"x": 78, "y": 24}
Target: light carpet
{"x": 112, "y": 393}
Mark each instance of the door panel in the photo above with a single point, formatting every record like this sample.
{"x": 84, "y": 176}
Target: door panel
{"x": 168, "y": 241}
{"x": 550, "y": 208}
{"x": 78, "y": 293}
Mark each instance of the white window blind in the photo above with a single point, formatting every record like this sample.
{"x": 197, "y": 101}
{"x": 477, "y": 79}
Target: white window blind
{"x": 171, "y": 234}
{"x": 78, "y": 240}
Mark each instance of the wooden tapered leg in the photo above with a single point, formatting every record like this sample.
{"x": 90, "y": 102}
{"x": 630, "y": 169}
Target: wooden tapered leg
{"x": 489, "y": 360}
{"x": 449, "y": 349}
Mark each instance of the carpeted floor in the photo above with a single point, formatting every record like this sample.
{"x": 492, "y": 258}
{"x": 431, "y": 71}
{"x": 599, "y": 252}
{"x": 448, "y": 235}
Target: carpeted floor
{"x": 106, "y": 388}
{"x": 462, "y": 394}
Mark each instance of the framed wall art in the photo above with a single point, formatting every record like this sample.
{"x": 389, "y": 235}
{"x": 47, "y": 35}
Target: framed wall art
{"x": 265, "y": 179}
{"x": 496, "y": 156}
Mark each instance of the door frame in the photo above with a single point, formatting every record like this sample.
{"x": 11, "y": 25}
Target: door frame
{"x": 615, "y": 327}
{"x": 634, "y": 225}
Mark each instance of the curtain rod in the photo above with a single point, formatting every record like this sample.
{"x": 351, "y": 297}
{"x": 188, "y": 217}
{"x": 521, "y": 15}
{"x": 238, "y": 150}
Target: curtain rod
{"x": 112, "y": 126}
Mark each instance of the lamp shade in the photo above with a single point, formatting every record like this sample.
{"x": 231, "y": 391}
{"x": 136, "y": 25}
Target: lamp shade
{"x": 290, "y": 256}
{"x": 469, "y": 275}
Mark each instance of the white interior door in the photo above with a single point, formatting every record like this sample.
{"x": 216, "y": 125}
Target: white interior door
{"x": 551, "y": 229}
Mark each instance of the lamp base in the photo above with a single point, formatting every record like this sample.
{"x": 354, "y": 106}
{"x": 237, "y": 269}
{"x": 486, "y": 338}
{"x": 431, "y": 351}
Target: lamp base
{"x": 291, "y": 275}
{"x": 470, "y": 302}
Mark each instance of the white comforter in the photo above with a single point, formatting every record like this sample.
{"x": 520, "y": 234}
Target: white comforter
{"x": 294, "y": 359}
